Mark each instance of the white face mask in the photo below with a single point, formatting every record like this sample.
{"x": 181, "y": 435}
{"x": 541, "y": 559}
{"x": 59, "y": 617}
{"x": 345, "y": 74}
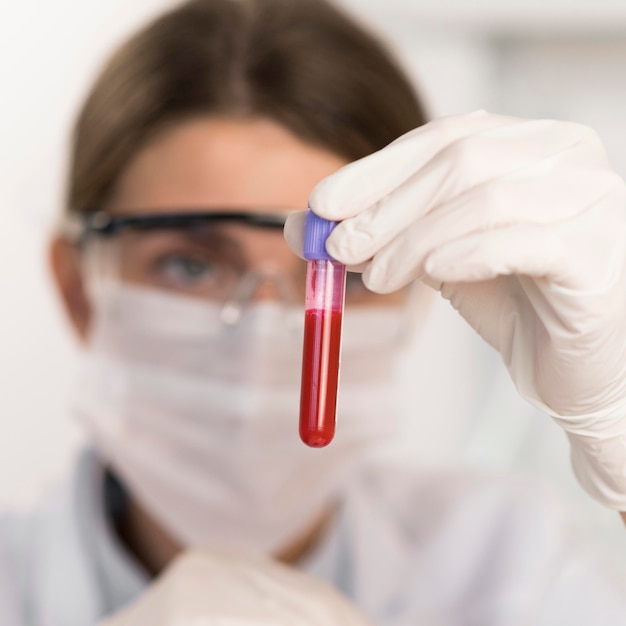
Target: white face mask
{"x": 201, "y": 421}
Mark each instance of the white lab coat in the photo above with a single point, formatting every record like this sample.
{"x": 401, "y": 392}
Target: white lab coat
{"x": 425, "y": 550}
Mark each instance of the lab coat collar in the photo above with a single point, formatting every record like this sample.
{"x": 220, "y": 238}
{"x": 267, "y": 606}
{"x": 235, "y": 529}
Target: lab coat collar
{"x": 78, "y": 550}
{"x": 66, "y": 590}
{"x": 363, "y": 553}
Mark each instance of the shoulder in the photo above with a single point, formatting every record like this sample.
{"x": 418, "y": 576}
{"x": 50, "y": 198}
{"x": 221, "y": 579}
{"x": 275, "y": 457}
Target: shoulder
{"x": 463, "y": 520}
{"x": 489, "y": 544}
{"x": 481, "y": 500}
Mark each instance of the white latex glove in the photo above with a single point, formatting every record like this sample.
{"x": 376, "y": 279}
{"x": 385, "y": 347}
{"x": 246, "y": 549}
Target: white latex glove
{"x": 208, "y": 588}
{"x": 521, "y": 224}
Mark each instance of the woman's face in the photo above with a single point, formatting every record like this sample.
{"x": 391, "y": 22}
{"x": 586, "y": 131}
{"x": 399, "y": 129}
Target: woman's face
{"x": 215, "y": 164}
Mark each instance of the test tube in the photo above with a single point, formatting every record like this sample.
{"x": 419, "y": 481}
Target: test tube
{"x": 324, "y": 300}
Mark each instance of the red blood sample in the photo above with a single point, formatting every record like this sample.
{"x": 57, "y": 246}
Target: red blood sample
{"x": 320, "y": 374}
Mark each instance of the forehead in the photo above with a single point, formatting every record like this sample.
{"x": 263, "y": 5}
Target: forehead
{"x": 223, "y": 163}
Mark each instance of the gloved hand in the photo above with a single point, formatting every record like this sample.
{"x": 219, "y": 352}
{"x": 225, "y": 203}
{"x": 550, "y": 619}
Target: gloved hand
{"x": 521, "y": 224}
{"x": 210, "y": 588}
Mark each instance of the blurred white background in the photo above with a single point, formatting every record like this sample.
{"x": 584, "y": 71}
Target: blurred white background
{"x": 562, "y": 58}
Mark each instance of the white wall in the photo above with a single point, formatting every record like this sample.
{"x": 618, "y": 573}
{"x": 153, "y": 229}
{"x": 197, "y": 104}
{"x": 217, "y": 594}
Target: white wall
{"x": 473, "y": 55}
{"x": 48, "y": 53}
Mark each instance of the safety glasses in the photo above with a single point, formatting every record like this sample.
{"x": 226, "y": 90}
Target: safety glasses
{"x": 227, "y": 257}
{"x": 101, "y": 223}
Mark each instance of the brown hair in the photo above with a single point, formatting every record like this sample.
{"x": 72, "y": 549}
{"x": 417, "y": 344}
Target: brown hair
{"x": 301, "y": 63}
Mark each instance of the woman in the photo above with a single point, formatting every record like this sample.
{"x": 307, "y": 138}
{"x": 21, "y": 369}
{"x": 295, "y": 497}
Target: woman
{"x": 199, "y": 136}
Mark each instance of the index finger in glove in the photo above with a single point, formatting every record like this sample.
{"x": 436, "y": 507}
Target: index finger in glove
{"x": 362, "y": 183}
{"x": 533, "y": 147}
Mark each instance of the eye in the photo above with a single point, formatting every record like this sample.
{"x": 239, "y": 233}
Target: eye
{"x": 187, "y": 270}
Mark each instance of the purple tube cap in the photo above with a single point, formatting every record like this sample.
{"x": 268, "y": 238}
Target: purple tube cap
{"x": 316, "y": 231}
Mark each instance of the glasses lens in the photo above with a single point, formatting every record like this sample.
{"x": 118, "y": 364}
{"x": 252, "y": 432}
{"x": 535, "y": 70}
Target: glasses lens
{"x": 219, "y": 262}
{"x": 195, "y": 261}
